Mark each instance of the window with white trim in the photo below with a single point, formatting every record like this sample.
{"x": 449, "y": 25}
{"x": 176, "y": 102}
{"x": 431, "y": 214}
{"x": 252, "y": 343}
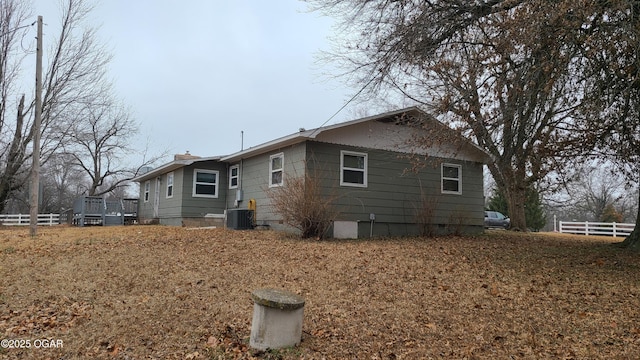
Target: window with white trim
{"x": 451, "y": 179}
{"x": 234, "y": 173}
{"x": 353, "y": 168}
{"x": 205, "y": 183}
{"x": 276, "y": 169}
{"x": 147, "y": 188}
{"x": 170, "y": 185}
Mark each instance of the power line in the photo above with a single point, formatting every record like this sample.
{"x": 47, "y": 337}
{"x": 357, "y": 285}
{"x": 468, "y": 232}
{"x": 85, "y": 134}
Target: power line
{"x": 345, "y": 105}
{"x": 18, "y": 28}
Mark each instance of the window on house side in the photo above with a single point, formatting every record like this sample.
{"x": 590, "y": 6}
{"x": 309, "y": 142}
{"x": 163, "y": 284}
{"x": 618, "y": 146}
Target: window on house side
{"x": 205, "y": 183}
{"x": 147, "y": 187}
{"x": 170, "y": 185}
{"x": 233, "y": 176}
{"x": 451, "y": 179}
{"x": 276, "y": 169}
{"x": 353, "y": 169}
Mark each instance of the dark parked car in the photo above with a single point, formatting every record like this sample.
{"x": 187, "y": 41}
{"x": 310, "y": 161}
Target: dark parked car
{"x": 494, "y": 219}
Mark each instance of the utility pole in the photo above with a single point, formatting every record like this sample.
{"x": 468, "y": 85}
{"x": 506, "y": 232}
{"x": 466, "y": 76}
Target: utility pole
{"x": 35, "y": 169}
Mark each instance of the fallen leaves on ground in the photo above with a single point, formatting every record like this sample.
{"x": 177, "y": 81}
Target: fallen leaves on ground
{"x": 155, "y": 292}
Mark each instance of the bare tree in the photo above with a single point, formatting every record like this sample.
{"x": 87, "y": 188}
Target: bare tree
{"x": 597, "y": 190}
{"x": 495, "y": 70}
{"x": 13, "y": 20}
{"x": 520, "y": 76}
{"x": 75, "y": 74}
{"x": 62, "y": 183}
{"x": 610, "y": 41}
{"x": 80, "y": 118}
{"x": 100, "y": 145}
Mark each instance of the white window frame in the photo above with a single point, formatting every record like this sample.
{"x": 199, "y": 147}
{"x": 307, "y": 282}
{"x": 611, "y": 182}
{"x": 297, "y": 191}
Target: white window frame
{"x": 195, "y": 182}
{"x": 170, "y": 189}
{"x": 458, "y": 179}
{"x": 365, "y": 171}
{"x": 236, "y": 177}
{"x": 272, "y": 170}
{"x": 147, "y": 190}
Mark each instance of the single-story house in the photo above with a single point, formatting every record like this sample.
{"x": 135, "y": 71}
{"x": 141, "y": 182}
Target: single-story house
{"x": 365, "y": 165}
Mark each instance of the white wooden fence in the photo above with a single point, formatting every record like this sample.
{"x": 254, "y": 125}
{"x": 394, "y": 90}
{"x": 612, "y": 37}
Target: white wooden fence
{"x": 596, "y": 228}
{"x": 24, "y": 219}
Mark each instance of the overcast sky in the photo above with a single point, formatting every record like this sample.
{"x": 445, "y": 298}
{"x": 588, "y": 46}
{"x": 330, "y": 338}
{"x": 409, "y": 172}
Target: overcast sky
{"x": 198, "y": 72}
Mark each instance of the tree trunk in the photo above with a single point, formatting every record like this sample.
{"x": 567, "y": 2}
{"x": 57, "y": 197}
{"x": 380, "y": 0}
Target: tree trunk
{"x": 633, "y": 240}
{"x": 512, "y": 184}
{"x": 15, "y": 159}
{"x": 4, "y": 196}
{"x": 516, "y": 196}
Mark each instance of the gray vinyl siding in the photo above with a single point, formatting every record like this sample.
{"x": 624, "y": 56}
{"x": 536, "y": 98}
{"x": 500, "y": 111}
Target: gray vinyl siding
{"x": 167, "y": 207}
{"x": 145, "y": 209}
{"x": 171, "y": 211}
{"x": 254, "y": 173}
{"x": 170, "y": 207}
{"x": 194, "y": 207}
{"x": 393, "y": 193}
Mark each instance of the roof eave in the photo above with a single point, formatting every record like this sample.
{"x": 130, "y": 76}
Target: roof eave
{"x": 306, "y": 135}
{"x": 174, "y": 165}
{"x": 269, "y": 146}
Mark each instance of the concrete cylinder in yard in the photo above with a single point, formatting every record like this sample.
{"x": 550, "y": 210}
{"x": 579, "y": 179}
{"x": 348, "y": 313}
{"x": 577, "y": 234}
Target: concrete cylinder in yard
{"x": 277, "y": 319}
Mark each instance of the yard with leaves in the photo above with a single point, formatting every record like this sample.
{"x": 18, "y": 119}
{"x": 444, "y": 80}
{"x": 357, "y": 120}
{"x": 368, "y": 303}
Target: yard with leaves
{"x": 154, "y": 292}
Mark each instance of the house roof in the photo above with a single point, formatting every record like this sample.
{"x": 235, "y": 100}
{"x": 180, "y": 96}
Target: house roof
{"x": 176, "y": 164}
{"x": 304, "y": 135}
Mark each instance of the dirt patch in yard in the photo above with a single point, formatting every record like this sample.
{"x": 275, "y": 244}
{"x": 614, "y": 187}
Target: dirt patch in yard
{"x": 154, "y": 292}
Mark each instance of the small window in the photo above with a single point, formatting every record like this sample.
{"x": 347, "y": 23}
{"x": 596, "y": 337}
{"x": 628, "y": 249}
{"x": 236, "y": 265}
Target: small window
{"x": 170, "y": 185}
{"x": 276, "y": 169}
{"x": 205, "y": 183}
{"x": 147, "y": 187}
{"x": 353, "y": 169}
{"x": 234, "y": 172}
{"x": 451, "y": 179}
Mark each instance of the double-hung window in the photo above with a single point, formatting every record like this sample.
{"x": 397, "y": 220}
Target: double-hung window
{"x": 451, "y": 179}
{"x": 170, "y": 185}
{"x": 234, "y": 172}
{"x": 276, "y": 169}
{"x": 205, "y": 183}
{"x": 353, "y": 169}
{"x": 147, "y": 188}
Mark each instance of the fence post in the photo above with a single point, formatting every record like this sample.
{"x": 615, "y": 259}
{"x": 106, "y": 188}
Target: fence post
{"x": 560, "y": 226}
{"x": 614, "y": 229}
{"x": 586, "y": 228}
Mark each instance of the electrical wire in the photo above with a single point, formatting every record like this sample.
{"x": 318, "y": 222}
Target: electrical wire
{"x": 344, "y": 106}
{"x": 18, "y": 28}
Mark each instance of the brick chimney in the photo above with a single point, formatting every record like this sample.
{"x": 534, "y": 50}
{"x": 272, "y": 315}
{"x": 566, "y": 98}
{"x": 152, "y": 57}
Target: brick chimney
{"x": 185, "y": 156}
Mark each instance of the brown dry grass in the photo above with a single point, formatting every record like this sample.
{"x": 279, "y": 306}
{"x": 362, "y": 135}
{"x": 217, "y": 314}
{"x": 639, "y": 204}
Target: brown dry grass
{"x": 162, "y": 293}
